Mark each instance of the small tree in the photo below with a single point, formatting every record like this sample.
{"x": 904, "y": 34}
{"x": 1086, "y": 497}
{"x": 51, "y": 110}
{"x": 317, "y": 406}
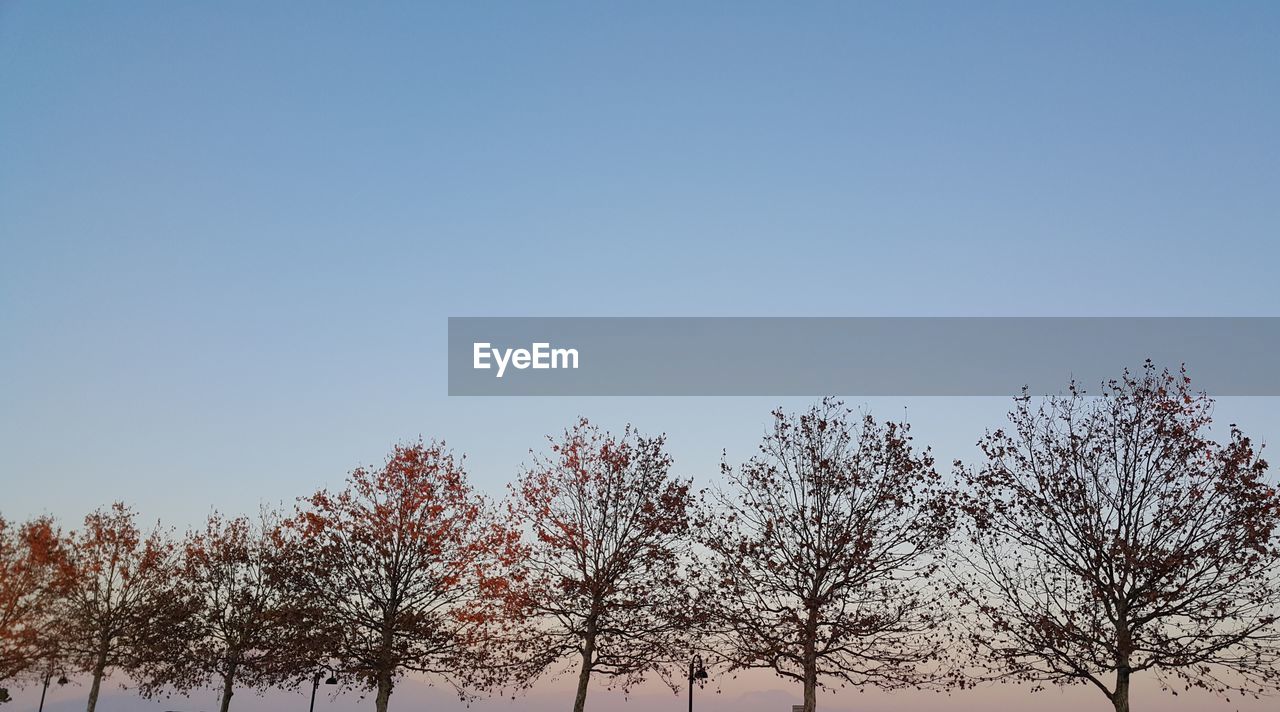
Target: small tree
{"x": 237, "y": 620}
{"x": 118, "y": 595}
{"x": 393, "y": 560}
{"x": 31, "y": 556}
{"x": 822, "y": 551}
{"x": 599, "y": 584}
{"x": 1112, "y": 536}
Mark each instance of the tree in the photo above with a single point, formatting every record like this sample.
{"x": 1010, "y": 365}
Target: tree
{"x": 393, "y": 560}
{"x": 118, "y": 596}
{"x": 31, "y": 556}
{"x": 1111, "y": 536}
{"x": 822, "y": 552}
{"x": 237, "y": 620}
{"x": 599, "y": 585}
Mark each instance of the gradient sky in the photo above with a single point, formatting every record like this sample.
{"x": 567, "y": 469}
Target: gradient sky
{"x": 230, "y": 234}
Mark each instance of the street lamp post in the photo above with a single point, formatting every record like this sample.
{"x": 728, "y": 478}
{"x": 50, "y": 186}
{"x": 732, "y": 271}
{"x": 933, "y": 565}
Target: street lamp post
{"x": 62, "y": 680}
{"x": 44, "y": 690}
{"x": 315, "y": 684}
{"x": 696, "y": 672}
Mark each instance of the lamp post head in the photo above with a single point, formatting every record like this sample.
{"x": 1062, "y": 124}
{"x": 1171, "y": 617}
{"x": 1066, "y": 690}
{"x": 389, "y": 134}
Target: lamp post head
{"x": 696, "y": 669}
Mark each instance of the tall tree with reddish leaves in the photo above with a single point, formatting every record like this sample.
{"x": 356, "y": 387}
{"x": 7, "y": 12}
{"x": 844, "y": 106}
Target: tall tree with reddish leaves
{"x": 1114, "y": 536}
{"x": 238, "y": 621}
{"x": 823, "y": 551}
{"x": 31, "y": 557}
{"x": 117, "y": 595}
{"x": 394, "y": 561}
{"x": 599, "y": 586}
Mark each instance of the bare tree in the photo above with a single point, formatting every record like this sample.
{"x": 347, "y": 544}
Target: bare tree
{"x": 393, "y": 560}
{"x": 598, "y": 585}
{"x": 117, "y": 594}
{"x": 1112, "y": 536}
{"x": 821, "y": 554}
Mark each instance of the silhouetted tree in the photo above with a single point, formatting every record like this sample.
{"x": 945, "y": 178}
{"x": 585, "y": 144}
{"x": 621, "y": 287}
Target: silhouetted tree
{"x": 1112, "y": 536}
{"x": 31, "y": 557}
{"x": 393, "y": 560}
{"x": 238, "y": 620}
{"x": 598, "y": 585}
{"x": 822, "y": 550}
{"x": 118, "y": 594}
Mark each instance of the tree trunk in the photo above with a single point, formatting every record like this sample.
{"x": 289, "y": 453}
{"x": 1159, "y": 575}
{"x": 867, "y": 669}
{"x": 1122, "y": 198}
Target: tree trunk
{"x": 811, "y": 661}
{"x": 584, "y": 675}
{"x": 384, "y": 691}
{"x": 99, "y": 671}
{"x": 1124, "y": 648}
{"x": 228, "y": 682}
{"x": 1120, "y": 698}
{"x": 386, "y": 658}
{"x": 95, "y": 687}
{"x": 810, "y": 684}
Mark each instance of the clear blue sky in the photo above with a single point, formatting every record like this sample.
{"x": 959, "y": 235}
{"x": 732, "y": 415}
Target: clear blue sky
{"x": 232, "y": 233}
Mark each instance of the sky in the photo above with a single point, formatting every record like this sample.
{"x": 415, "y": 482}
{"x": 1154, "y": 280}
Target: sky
{"x": 231, "y": 233}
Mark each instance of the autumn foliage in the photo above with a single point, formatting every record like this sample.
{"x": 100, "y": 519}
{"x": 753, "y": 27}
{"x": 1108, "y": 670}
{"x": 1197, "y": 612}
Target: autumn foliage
{"x": 31, "y": 561}
{"x": 1111, "y": 537}
{"x": 237, "y": 620}
{"x": 392, "y": 560}
{"x": 1097, "y": 539}
{"x": 116, "y": 603}
{"x": 599, "y": 585}
{"x": 821, "y": 554}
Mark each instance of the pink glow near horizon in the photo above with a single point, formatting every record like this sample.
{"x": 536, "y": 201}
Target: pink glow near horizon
{"x": 754, "y": 691}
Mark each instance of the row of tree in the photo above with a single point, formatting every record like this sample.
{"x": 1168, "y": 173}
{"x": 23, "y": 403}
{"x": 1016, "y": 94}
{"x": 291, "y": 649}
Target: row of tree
{"x": 1098, "y": 538}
